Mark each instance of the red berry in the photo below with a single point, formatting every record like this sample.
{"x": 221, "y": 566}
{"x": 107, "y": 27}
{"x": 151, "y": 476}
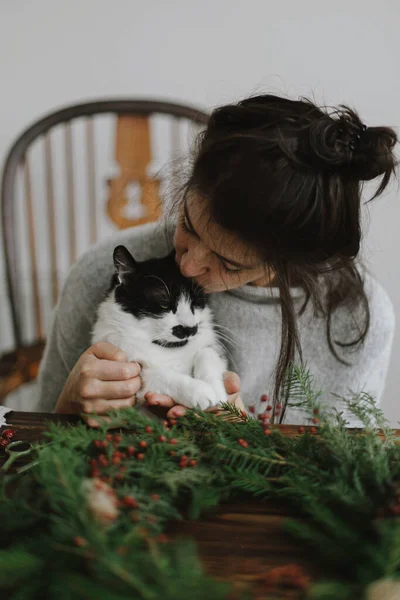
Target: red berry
{"x": 103, "y": 460}
{"x": 155, "y": 497}
{"x": 8, "y": 434}
{"x": 173, "y": 441}
{"x": 143, "y": 444}
{"x": 316, "y": 411}
{"x": 116, "y": 460}
{"x": 243, "y": 443}
{"x": 4, "y": 442}
{"x": 173, "y": 422}
{"x": 80, "y": 541}
{"x": 131, "y": 450}
{"x": 301, "y": 429}
{"x": 315, "y": 420}
{"x": 264, "y": 398}
{"x": 162, "y": 438}
{"x": 131, "y": 502}
{"x": 252, "y": 409}
{"x": 313, "y": 430}
{"x": 172, "y": 452}
{"x": 192, "y": 463}
{"x": 117, "y": 438}
{"x": 165, "y": 423}
{"x": 279, "y": 406}
{"x": 109, "y": 437}
{"x": 261, "y": 416}
{"x": 183, "y": 461}
{"x": 140, "y": 456}
{"x": 267, "y": 431}
{"x": 148, "y": 429}
{"x": 269, "y": 408}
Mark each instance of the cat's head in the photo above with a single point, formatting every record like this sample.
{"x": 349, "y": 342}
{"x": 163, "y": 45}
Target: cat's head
{"x": 171, "y": 307}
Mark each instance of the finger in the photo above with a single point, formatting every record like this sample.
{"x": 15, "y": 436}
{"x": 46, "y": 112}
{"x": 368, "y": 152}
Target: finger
{"x": 107, "y": 351}
{"x": 108, "y": 370}
{"x": 176, "y": 411}
{"x": 110, "y": 390}
{"x": 103, "y": 406}
{"x": 236, "y": 400}
{"x": 231, "y": 382}
{"x": 159, "y": 400}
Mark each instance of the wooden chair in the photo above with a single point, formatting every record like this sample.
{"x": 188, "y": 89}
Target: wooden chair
{"x": 51, "y": 198}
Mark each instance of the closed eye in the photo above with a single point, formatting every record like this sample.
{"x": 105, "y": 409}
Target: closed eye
{"x": 230, "y": 269}
{"x": 185, "y": 226}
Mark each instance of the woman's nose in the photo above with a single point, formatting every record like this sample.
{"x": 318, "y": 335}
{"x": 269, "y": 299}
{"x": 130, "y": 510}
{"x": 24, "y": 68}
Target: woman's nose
{"x": 193, "y": 264}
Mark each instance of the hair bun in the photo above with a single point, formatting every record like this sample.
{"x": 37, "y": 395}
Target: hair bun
{"x": 342, "y": 143}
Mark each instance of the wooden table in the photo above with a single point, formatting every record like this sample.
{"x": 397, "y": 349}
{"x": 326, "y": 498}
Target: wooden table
{"x": 240, "y": 542}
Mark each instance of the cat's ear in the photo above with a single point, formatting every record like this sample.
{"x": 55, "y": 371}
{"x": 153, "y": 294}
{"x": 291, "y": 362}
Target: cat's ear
{"x": 124, "y": 263}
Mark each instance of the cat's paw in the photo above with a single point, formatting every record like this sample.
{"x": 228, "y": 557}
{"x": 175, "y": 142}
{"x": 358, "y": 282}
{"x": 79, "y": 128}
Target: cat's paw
{"x": 203, "y": 396}
{"x": 220, "y": 392}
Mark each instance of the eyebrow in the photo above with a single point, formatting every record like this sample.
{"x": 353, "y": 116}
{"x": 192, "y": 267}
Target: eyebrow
{"x": 228, "y": 260}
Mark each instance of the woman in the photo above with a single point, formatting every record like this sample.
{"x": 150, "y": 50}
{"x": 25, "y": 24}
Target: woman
{"x": 269, "y": 224}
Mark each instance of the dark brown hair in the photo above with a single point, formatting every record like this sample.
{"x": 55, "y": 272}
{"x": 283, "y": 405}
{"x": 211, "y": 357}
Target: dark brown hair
{"x": 284, "y": 175}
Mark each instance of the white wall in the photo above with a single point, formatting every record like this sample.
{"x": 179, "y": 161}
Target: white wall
{"x": 210, "y": 52}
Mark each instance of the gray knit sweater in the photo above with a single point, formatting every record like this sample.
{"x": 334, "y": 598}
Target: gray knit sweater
{"x": 252, "y": 314}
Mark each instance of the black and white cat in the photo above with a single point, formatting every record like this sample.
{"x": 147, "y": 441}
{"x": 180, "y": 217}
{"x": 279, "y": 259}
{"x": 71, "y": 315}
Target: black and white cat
{"x": 161, "y": 320}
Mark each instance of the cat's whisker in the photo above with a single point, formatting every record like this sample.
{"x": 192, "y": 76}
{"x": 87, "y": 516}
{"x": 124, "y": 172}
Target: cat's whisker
{"x": 198, "y": 290}
{"x": 226, "y": 337}
{"x": 227, "y": 353}
{"x": 219, "y": 326}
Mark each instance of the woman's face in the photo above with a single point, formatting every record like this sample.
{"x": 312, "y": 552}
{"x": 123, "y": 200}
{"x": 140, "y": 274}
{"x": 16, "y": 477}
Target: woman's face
{"x": 215, "y": 257}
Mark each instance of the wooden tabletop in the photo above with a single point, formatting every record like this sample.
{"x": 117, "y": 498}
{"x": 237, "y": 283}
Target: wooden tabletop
{"x": 240, "y": 542}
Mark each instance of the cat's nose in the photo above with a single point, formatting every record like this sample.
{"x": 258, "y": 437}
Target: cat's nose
{"x": 182, "y": 332}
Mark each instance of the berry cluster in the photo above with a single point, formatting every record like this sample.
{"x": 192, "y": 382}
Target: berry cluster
{"x": 6, "y": 437}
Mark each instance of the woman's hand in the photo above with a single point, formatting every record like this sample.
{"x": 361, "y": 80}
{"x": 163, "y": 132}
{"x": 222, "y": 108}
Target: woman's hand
{"x": 101, "y": 380}
{"x": 232, "y": 387}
